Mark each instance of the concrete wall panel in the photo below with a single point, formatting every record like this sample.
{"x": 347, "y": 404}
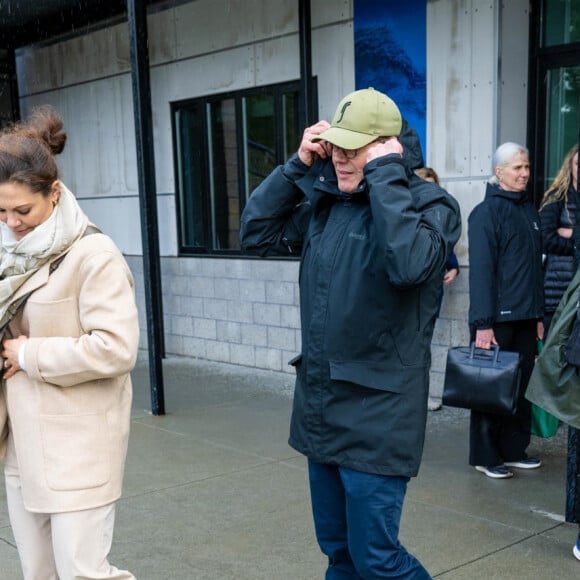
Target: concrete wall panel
{"x": 212, "y": 25}
{"x": 324, "y": 12}
{"x": 513, "y": 92}
{"x": 333, "y": 64}
{"x": 484, "y": 86}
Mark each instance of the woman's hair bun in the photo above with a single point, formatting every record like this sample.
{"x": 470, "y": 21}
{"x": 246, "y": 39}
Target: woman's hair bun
{"x": 46, "y": 125}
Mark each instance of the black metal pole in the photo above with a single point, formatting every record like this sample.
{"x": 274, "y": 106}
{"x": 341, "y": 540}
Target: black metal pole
{"x": 573, "y": 457}
{"x": 138, "y": 40}
{"x": 14, "y": 97}
{"x": 305, "y": 60}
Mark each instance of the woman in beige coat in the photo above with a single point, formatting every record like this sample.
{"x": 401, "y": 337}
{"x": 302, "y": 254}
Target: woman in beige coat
{"x": 69, "y": 340}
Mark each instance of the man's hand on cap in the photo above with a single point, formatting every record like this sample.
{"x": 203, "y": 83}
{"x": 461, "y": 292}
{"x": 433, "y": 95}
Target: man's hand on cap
{"x": 384, "y": 147}
{"x": 308, "y": 151}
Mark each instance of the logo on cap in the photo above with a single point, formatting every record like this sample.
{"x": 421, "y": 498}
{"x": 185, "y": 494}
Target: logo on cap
{"x": 344, "y": 107}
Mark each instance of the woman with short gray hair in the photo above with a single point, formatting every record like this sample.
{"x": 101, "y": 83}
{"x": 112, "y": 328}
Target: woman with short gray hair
{"x": 506, "y": 295}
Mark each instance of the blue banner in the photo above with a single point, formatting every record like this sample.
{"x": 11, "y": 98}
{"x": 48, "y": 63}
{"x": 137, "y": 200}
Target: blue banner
{"x": 391, "y": 54}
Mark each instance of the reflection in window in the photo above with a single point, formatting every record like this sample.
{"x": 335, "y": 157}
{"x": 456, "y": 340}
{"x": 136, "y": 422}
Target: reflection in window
{"x": 259, "y": 138}
{"x": 561, "y": 22}
{"x": 225, "y": 145}
{"x": 562, "y": 117}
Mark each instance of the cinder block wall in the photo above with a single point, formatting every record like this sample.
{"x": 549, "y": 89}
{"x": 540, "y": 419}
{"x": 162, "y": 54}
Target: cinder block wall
{"x": 240, "y": 311}
{"x": 246, "y": 312}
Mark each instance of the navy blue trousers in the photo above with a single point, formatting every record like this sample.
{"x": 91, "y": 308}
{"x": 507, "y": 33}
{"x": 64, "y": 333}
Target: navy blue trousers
{"x": 356, "y": 518}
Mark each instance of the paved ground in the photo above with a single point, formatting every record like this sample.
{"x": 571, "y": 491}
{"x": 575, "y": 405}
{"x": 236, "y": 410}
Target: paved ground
{"x": 212, "y": 491}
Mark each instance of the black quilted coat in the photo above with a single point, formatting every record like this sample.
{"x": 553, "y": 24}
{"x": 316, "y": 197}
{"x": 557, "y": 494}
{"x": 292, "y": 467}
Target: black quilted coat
{"x": 561, "y": 253}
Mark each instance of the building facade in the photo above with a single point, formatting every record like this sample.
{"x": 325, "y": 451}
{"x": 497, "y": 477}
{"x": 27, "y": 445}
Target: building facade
{"x": 226, "y": 109}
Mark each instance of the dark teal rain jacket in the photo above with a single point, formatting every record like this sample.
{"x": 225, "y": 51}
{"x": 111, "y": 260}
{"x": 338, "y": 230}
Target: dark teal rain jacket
{"x": 370, "y": 279}
{"x": 554, "y": 384}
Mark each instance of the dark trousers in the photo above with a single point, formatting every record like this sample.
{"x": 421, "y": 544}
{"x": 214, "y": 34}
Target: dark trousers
{"x": 356, "y": 518}
{"x": 494, "y": 439}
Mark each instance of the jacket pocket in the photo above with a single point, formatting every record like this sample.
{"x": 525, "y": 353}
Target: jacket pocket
{"x": 371, "y": 374}
{"x": 52, "y": 318}
{"x": 76, "y": 451}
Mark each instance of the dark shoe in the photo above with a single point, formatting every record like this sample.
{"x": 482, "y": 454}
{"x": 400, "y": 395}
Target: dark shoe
{"x": 576, "y": 548}
{"x": 527, "y": 463}
{"x": 497, "y": 472}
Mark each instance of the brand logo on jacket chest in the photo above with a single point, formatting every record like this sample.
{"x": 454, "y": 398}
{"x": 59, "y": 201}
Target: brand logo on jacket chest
{"x": 354, "y": 236}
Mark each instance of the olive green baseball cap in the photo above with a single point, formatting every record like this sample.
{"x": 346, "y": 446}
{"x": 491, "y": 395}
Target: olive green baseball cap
{"x": 360, "y": 118}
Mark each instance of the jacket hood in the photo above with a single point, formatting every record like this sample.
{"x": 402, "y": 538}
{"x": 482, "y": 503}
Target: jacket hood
{"x": 412, "y": 152}
{"x": 494, "y": 190}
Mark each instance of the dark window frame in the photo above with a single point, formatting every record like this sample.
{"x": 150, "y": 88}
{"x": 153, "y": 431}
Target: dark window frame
{"x": 541, "y": 59}
{"x": 202, "y": 143}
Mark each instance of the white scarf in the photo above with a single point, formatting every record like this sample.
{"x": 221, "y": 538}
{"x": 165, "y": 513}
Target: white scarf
{"x": 20, "y": 259}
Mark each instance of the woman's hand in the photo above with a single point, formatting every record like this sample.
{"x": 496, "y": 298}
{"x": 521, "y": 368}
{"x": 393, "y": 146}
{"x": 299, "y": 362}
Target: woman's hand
{"x": 10, "y": 348}
{"x": 565, "y": 232}
{"x": 308, "y": 151}
{"x": 484, "y": 338}
{"x": 450, "y": 276}
{"x": 540, "y": 330}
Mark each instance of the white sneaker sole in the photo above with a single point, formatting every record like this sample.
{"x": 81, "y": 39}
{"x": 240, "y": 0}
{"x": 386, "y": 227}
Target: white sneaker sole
{"x": 576, "y": 552}
{"x": 519, "y": 465}
{"x": 483, "y": 469}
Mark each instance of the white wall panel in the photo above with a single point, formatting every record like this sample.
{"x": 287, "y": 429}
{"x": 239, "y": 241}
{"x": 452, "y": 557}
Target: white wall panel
{"x": 449, "y": 58}
{"x": 277, "y": 60}
{"x": 99, "y": 159}
{"x": 213, "y": 25}
{"x": 120, "y": 219}
{"x": 513, "y": 93}
{"x": 80, "y": 59}
{"x": 484, "y": 87}
{"x": 161, "y": 28}
{"x": 462, "y": 88}
{"x": 333, "y": 64}
{"x": 324, "y": 12}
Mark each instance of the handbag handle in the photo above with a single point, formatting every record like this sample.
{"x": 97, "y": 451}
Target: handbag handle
{"x": 484, "y": 353}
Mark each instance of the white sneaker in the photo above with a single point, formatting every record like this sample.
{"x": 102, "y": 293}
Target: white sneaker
{"x": 527, "y": 463}
{"x": 497, "y": 472}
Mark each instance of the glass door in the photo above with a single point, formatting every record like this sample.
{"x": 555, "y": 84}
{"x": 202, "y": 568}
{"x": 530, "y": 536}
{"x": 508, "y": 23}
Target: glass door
{"x": 561, "y": 117}
{"x": 554, "y": 101}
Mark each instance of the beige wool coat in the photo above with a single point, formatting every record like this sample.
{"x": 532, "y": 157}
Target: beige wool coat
{"x": 64, "y": 423}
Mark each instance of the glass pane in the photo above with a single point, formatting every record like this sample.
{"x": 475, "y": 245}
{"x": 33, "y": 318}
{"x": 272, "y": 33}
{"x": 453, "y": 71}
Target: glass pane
{"x": 561, "y": 23}
{"x": 259, "y": 139}
{"x": 223, "y": 171}
{"x": 190, "y": 148}
{"x": 562, "y": 117}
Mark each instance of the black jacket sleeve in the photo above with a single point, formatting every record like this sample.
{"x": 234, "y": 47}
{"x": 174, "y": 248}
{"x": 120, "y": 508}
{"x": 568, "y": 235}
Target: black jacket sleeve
{"x": 483, "y": 259}
{"x": 550, "y": 222}
{"x": 418, "y": 224}
{"x": 275, "y": 219}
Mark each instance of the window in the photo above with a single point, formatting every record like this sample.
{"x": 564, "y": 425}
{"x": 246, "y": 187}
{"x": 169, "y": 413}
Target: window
{"x": 225, "y": 145}
{"x": 555, "y": 88}
{"x": 561, "y": 22}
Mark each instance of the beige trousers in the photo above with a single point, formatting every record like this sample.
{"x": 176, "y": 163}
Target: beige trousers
{"x": 63, "y": 546}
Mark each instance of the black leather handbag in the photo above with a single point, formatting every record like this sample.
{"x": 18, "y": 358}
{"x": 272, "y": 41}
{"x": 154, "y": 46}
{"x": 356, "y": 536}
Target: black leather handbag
{"x": 482, "y": 380}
